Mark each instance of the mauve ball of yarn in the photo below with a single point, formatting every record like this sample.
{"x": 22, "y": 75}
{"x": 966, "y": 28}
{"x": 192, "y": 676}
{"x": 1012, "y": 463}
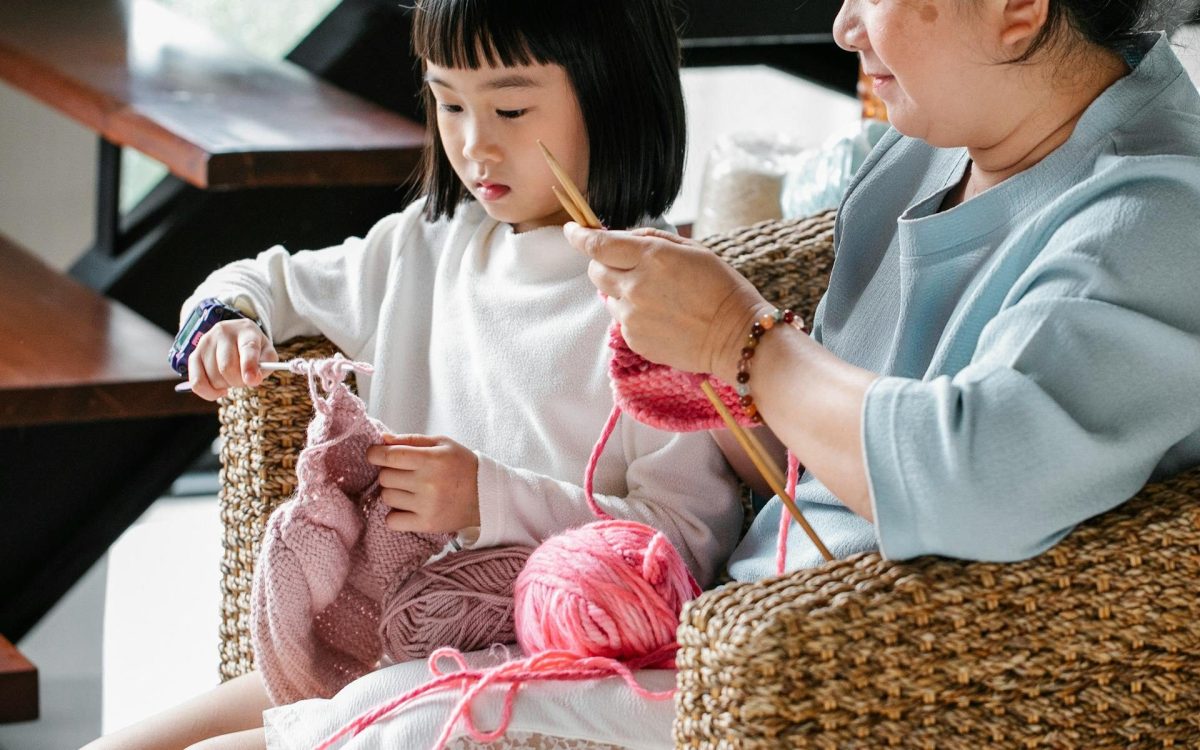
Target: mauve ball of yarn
{"x": 610, "y": 588}
{"x": 463, "y": 600}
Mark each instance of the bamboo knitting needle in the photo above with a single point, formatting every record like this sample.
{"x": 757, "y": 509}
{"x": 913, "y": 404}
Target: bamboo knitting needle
{"x": 592, "y": 221}
{"x": 762, "y": 462}
{"x": 185, "y": 386}
{"x": 569, "y": 206}
{"x": 578, "y": 208}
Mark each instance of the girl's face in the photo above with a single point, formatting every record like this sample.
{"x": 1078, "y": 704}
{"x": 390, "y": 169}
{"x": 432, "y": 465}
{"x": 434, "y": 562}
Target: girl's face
{"x": 490, "y": 121}
{"x": 932, "y": 62}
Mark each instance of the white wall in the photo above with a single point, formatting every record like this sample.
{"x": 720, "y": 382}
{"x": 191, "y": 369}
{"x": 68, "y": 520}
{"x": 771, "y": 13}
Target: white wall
{"x": 47, "y": 179}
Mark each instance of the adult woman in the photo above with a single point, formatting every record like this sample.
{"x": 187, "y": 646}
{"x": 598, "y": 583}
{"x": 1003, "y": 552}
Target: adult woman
{"x": 1010, "y": 341}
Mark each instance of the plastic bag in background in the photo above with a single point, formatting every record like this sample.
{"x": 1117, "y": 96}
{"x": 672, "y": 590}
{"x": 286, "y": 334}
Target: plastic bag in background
{"x": 743, "y": 180}
{"x": 817, "y": 180}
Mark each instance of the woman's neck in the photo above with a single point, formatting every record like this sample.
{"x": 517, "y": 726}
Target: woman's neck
{"x": 1048, "y": 122}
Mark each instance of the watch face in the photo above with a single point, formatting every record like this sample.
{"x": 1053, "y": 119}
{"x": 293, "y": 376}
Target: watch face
{"x": 185, "y": 332}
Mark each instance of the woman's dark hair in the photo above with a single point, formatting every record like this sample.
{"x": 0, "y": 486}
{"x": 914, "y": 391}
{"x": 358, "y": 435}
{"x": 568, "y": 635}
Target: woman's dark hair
{"x": 621, "y": 57}
{"x": 1105, "y": 23}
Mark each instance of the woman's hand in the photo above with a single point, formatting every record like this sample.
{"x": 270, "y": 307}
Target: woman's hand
{"x": 227, "y": 356}
{"x": 677, "y": 302}
{"x": 429, "y": 482}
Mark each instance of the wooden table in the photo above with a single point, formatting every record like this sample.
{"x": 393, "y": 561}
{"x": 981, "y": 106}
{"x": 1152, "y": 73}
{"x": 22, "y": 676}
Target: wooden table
{"x": 217, "y": 116}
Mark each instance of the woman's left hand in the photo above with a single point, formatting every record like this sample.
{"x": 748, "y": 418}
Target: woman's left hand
{"x": 431, "y": 483}
{"x": 677, "y": 302}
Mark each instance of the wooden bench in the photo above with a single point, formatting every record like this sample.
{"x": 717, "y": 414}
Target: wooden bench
{"x": 72, "y": 355}
{"x": 218, "y": 117}
{"x": 91, "y": 431}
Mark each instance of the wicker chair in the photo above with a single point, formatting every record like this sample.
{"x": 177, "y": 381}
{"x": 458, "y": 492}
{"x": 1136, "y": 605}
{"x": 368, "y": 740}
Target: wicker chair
{"x": 1093, "y": 644}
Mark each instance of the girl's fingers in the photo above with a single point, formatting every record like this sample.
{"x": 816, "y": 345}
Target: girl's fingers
{"x": 250, "y": 353}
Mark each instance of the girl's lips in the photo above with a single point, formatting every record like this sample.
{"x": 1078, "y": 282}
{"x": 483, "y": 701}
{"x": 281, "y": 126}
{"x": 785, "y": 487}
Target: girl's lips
{"x": 490, "y": 192}
{"x": 881, "y": 81}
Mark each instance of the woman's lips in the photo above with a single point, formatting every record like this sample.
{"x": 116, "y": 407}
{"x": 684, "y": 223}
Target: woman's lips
{"x": 491, "y": 191}
{"x": 880, "y": 81}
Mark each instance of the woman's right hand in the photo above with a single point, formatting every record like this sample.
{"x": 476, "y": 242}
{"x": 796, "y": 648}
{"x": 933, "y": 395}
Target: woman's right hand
{"x": 227, "y": 356}
{"x": 677, "y": 302}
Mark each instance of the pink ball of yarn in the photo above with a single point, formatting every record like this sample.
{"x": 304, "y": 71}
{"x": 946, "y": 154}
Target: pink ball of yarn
{"x": 463, "y": 600}
{"x": 611, "y": 589}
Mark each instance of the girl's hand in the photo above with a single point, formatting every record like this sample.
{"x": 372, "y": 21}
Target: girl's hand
{"x": 227, "y": 356}
{"x": 677, "y": 302}
{"x": 430, "y": 483}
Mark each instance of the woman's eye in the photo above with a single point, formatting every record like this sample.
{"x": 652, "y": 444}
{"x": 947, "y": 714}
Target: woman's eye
{"x": 511, "y": 114}
{"x": 451, "y": 108}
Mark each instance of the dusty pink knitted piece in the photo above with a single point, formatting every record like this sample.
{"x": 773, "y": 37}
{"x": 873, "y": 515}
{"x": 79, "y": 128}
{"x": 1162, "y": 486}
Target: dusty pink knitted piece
{"x": 663, "y": 397}
{"x": 328, "y": 562}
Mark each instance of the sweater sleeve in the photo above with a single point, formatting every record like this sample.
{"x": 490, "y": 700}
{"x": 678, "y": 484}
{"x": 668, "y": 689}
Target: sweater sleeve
{"x": 676, "y": 483}
{"x": 306, "y": 293}
{"x": 1079, "y": 385}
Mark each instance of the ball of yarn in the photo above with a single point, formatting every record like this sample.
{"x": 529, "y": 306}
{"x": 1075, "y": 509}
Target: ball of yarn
{"x": 610, "y": 589}
{"x": 463, "y": 600}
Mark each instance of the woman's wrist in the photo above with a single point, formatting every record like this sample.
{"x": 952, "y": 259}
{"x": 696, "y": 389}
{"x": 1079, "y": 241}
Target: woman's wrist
{"x": 726, "y": 357}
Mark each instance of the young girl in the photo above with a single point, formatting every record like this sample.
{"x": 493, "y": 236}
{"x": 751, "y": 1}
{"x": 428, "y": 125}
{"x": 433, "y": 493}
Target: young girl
{"x": 488, "y": 341}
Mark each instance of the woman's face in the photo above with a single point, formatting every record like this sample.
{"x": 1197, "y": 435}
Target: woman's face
{"x": 490, "y": 121}
{"x": 932, "y": 63}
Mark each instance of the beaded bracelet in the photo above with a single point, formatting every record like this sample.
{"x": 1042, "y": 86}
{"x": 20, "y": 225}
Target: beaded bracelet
{"x": 764, "y": 323}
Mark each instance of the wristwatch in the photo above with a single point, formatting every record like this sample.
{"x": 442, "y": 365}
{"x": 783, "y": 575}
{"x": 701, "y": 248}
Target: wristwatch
{"x": 207, "y": 314}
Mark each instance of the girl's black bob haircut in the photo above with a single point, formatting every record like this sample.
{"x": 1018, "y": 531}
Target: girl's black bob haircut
{"x": 622, "y": 58}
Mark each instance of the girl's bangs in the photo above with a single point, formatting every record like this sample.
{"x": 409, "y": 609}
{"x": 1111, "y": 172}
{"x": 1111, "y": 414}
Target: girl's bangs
{"x": 456, "y": 34}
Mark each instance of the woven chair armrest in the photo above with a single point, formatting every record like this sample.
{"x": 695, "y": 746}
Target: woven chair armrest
{"x": 262, "y": 432}
{"x": 1095, "y": 643}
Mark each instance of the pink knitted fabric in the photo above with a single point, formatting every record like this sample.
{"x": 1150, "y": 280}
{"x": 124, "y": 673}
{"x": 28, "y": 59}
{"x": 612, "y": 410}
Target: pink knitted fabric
{"x": 663, "y": 397}
{"x": 329, "y": 565}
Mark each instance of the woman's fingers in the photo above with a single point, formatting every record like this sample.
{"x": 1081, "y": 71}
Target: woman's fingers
{"x": 619, "y": 250}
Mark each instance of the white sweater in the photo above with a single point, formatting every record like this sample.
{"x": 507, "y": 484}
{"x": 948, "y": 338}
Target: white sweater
{"x": 498, "y": 341}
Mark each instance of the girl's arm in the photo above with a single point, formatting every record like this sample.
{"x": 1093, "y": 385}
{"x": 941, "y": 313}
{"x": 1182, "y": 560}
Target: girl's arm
{"x": 337, "y": 291}
{"x": 676, "y": 483}
{"x": 742, "y": 464}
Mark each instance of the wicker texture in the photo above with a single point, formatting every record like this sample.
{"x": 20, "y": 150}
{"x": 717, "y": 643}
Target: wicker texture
{"x": 1094, "y": 644}
{"x": 788, "y": 261}
{"x": 262, "y": 432}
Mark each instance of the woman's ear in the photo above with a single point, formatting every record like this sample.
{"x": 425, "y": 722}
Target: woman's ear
{"x": 1021, "y": 22}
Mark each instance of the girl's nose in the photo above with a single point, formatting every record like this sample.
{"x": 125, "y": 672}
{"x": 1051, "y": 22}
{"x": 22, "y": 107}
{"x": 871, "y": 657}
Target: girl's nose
{"x": 479, "y": 144}
{"x": 848, "y": 29}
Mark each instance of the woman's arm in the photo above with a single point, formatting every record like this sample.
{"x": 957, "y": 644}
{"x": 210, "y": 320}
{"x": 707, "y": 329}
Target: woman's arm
{"x": 681, "y": 305}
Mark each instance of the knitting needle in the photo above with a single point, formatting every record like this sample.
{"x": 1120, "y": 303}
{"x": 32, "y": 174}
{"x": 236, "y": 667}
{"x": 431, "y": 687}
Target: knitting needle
{"x": 758, "y": 446}
{"x": 750, "y": 444}
{"x": 592, "y": 221}
{"x": 186, "y": 386}
{"x": 762, "y": 463}
{"x": 570, "y": 207}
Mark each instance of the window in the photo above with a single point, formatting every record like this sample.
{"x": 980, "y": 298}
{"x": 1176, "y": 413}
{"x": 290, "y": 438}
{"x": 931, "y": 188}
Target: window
{"x": 267, "y": 28}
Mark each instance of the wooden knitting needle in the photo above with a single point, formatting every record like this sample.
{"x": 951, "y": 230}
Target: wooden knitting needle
{"x": 591, "y": 220}
{"x": 569, "y": 206}
{"x": 764, "y": 465}
{"x": 186, "y": 386}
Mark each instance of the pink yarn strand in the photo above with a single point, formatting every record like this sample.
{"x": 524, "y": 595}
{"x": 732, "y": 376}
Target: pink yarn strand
{"x": 590, "y": 473}
{"x": 785, "y": 518}
{"x": 549, "y": 665}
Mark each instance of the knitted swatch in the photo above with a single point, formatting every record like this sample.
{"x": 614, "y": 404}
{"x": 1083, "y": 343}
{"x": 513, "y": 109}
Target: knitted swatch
{"x": 663, "y": 397}
{"x": 329, "y": 566}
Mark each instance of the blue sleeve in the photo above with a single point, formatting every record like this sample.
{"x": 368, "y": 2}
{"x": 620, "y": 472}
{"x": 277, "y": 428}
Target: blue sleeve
{"x": 1084, "y": 379}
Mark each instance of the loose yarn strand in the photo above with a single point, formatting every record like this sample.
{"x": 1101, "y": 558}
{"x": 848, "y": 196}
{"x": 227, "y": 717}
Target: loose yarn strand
{"x": 785, "y": 518}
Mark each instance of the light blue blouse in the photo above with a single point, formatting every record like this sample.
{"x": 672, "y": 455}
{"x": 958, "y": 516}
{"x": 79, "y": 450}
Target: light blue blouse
{"x": 1040, "y": 343}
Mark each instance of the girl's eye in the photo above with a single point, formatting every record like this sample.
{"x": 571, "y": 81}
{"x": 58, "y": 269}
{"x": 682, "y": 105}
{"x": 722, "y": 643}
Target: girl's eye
{"x": 511, "y": 114}
{"x": 451, "y": 108}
